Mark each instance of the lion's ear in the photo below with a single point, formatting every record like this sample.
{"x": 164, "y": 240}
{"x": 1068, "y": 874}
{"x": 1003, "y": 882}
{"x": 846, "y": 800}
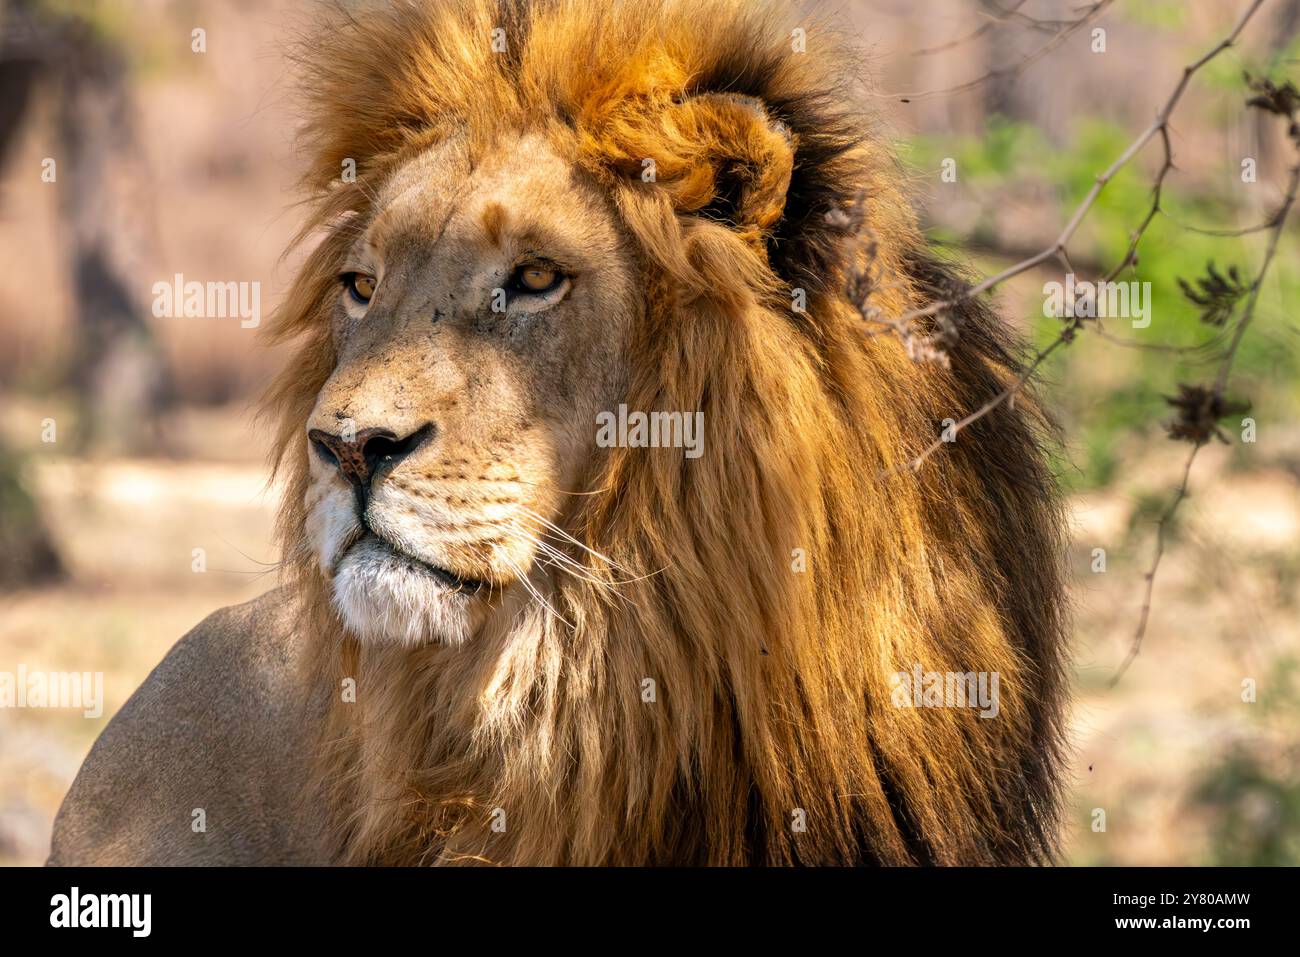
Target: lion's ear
{"x": 716, "y": 155}
{"x": 749, "y": 156}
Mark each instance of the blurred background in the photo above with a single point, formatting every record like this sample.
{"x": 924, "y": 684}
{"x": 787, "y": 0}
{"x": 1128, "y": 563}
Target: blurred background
{"x": 127, "y": 441}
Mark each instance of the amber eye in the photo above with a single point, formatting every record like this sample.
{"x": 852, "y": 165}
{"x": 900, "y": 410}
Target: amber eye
{"x": 360, "y": 286}
{"x": 535, "y": 278}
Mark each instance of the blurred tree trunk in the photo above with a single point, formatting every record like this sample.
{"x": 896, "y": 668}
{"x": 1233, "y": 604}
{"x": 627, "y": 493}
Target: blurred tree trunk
{"x": 1282, "y": 31}
{"x": 1003, "y": 93}
{"x": 117, "y": 370}
{"x": 27, "y": 553}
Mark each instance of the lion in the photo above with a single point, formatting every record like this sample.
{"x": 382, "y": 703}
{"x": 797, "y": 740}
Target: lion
{"x": 500, "y": 640}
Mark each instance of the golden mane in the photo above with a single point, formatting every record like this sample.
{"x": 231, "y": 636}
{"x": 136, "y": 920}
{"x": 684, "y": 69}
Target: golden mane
{"x": 773, "y": 684}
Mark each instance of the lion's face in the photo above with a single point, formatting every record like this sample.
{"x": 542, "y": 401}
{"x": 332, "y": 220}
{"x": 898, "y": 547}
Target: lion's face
{"x": 480, "y": 326}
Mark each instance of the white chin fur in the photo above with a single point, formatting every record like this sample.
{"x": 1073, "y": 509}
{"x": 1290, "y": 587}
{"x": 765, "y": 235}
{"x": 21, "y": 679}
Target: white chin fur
{"x": 385, "y": 598}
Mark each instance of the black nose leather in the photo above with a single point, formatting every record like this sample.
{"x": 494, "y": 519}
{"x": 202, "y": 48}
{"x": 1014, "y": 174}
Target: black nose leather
{"x": 360, "y": 456}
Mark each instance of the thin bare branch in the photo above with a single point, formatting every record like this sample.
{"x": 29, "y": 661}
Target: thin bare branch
{"x": 991, "y": 21}
{"x": 1158, "y": 128}
{"x": 1219, "y": 396}
{"x": 951, "y": 432}
{"x": 1248, "y": 314}
{"x": 904, "y": 326}
{"x": 1015, "y": 69}
{"x": 1161, "y": 526}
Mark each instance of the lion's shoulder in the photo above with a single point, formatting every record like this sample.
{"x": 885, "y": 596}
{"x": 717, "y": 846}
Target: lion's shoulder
{"x": 214, "y": 736}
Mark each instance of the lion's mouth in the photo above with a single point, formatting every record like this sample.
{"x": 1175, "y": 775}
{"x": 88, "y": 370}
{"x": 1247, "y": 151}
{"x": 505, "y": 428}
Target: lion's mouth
{"x": 444, "y": 576}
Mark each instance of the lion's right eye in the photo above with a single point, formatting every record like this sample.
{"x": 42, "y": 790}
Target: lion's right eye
{"x": 535, "y": 279}
{"x": 360, "y": 286}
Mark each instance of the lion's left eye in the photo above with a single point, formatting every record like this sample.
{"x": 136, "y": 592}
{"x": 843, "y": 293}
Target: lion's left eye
{"x": 360, "y": 286}
{"x": 535, "y": 278}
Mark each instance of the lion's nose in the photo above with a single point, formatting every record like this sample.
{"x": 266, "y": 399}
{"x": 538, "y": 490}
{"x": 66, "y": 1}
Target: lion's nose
{"x": 358, "y": 457}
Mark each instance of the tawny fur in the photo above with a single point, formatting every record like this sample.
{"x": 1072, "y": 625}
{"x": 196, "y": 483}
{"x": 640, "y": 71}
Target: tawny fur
{"x": 773, "y": 685}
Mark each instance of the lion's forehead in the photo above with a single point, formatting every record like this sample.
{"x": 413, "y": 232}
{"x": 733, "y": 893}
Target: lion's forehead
{"x": 522, "y": 180}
